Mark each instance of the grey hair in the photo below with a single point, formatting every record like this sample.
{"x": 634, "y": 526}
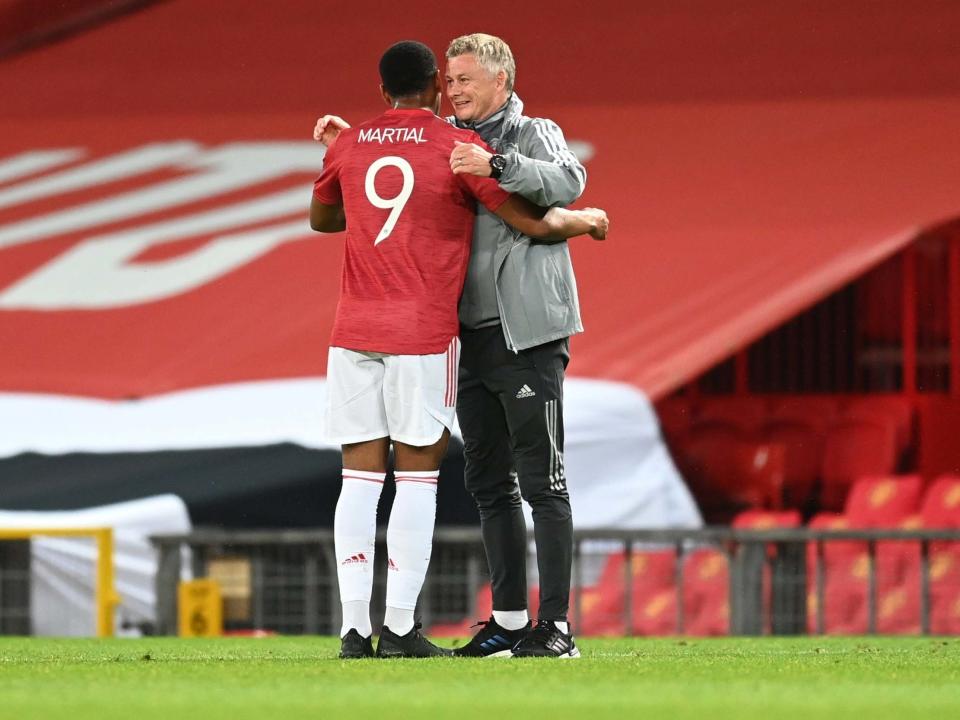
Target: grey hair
{"x": 492, "y": 53}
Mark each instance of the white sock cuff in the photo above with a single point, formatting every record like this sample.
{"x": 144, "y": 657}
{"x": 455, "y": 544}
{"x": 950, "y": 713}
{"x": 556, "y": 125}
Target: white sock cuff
{"x": 377, "y": 477}
{"x": 429, "y": 477}
{"x": 511, "y": 619}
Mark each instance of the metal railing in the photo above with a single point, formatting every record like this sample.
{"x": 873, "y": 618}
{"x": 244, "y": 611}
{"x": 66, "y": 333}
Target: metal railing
{"x": 291, "y": 582}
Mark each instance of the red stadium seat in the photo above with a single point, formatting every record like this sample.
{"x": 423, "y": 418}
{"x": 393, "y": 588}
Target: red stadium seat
{"x": 941, "y": 509}
{"x": 715, "y": 431}
{"x": 945, "y": 590}
{"x": 898, "y": 582}
{"x": 816, "y": 411}
{"x": 855, "y": 448}
{"x": 803, "y": 457}
{"x": 846, "y": 572}
{"x": 941, "y": 503}
{"x": 828, "y": 521}
{"x": 766, "y": 519}
{"x": 653, "y": 581}
{"x": 883, "y": 502}
{"x": 895, "y": 409}
{"x": 746, "y": 413}
{"x": 834, "y": 552}
{"x": 837, "y": 558}
{"x": 656, "y": 613}
{"x": 890, "y": 502}
{"x": 727, "y": 475}
{"x": 706, "y": 593}
{"x": 654, "y": 593}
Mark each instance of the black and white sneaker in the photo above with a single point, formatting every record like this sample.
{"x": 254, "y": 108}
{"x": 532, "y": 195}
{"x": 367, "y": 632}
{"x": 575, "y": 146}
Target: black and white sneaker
{"x": 547, "y": 640}
{"x": 353, "y": 645}
{"x": 492, "y": 640}
{"x": 411, "y": 645}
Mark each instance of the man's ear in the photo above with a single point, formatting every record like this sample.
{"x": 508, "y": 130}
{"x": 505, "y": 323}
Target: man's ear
{"x": 501, "y": 79}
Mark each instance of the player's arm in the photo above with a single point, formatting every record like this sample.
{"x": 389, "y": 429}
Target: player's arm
{"x": 545, "y": 171}
{"x": 327, "y": 218}
{"x": 553, "y": 225}
{"x": 326, "y": 205}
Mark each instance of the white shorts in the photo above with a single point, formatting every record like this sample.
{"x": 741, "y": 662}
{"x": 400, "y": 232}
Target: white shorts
{"x": 410, "y": 398}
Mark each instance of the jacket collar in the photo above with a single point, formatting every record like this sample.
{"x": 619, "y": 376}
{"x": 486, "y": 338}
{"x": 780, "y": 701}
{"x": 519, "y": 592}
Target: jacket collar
{"x": 497, "y": 125}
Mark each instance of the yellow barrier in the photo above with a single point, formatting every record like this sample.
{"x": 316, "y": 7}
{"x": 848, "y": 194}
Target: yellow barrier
{"x": 106, "y": 593}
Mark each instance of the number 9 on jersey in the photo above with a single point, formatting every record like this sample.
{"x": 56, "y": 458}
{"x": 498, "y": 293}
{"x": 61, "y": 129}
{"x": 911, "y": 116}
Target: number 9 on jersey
{"x": 395, "y": 204}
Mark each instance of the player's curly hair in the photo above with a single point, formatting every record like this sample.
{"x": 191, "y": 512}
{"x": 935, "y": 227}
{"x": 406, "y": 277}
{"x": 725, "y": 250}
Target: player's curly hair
{"x": 407, "y": 68}
{"x": 492, "y": 54}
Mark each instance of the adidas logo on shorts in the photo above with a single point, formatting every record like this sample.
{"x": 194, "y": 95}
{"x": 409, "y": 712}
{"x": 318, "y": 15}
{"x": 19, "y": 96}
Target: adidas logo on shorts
{"x": 354, "y": 559}
{"x": 525, "y": 392}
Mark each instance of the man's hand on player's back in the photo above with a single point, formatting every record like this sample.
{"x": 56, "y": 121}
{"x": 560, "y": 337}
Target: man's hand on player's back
{"x": 328, "y": 128}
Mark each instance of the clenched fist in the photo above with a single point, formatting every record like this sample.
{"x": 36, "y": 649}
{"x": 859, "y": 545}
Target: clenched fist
{"x": 601, "y": 223}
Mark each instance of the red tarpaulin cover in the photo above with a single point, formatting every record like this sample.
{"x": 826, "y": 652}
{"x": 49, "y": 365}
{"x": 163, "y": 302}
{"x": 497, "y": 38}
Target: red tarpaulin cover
{"x": 752, "y": 156}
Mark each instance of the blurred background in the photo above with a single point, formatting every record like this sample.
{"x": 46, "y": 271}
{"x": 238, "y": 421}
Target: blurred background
{"x": 772, "y": 334}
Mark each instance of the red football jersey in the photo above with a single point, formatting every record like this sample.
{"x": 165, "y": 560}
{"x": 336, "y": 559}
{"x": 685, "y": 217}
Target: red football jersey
{"x": 409, "y": 228}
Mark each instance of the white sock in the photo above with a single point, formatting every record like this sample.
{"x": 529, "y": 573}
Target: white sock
{"x": 399, "y": 621}
{"x": 356, "y": 614}
{"x": 354, "y": 535}
{"x": 409, "y": 543}
{"x": 562, "y": 626}
{"x": 511, "y": 619}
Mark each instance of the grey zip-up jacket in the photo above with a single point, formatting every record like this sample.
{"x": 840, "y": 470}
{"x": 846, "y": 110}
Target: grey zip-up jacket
{"x": 536, "y": 291}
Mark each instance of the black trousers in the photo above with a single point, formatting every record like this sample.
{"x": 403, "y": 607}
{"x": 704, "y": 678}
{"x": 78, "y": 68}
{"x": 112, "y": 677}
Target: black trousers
{"x": 510, "y": 409}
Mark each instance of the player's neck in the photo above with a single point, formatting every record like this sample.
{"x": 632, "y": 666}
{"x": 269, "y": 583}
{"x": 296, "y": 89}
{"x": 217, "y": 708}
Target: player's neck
{"x": 410, "y": 105}
{"x": 419, "y": 101}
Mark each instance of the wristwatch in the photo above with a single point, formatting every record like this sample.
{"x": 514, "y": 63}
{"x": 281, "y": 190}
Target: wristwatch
{"x": 497, "y": 164}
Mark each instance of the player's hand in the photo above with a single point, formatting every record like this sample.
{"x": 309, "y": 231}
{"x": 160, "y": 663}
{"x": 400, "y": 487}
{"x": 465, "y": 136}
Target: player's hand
{"x": 471, "y": 159}
{"x": 328, "y": 128}
{"x": 601, "y": 223}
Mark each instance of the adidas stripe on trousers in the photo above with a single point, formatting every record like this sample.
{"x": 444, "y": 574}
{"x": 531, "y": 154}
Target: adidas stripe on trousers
{"x": 510, "y": 410}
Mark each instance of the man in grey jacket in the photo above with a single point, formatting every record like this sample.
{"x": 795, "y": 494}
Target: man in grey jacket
{"x": 518, "y": 309}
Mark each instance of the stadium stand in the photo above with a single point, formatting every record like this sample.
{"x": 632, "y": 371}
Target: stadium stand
{"x": 746, "y": 413}
{"x": 941, "y": 509}
{"x": 803, "y": 457}
{"x": 653, "y": 595}
{"x": 728, "y": 474}
{"x": 705, "y": 599}
{"x": 884, "y": 409}
{"x": 855, "y": 448}
{"x": 888, "y": 502}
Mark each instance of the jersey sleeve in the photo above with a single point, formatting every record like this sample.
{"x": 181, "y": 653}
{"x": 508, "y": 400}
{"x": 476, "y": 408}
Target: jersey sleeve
{"x": 326, "y": 188}
{"x": 486, "y": 190}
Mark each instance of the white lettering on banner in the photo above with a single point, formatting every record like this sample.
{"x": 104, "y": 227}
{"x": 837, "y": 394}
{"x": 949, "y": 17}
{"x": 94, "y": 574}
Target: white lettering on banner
{"x": 98, "y": 273}
{"x": 37, "y": 161}
{"x": 116, "y": 167}
{"x": 391, "y": 135}
{"x": 230, "y": 167}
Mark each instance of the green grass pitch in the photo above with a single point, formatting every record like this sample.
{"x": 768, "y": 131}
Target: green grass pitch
{"x": 285, "y": 678}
